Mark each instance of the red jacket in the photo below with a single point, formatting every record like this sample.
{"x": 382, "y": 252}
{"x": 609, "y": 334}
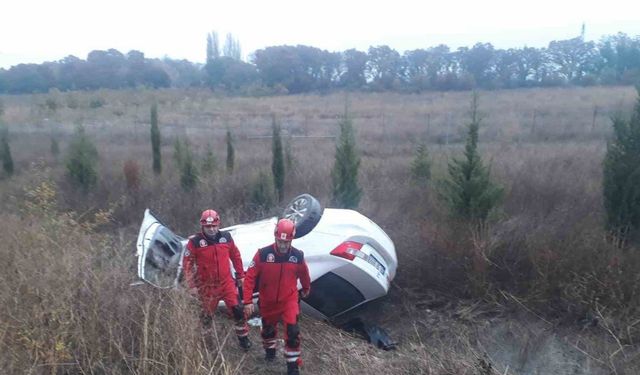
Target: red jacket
{"x": 206, "y": 261}
{"x": 277, "y": 276}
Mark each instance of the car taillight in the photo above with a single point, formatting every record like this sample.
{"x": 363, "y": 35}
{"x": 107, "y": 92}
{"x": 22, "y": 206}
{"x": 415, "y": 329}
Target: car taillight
{"x": 349, "y": 250}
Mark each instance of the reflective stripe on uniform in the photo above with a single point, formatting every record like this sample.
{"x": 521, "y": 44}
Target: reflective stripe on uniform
{"x": 242, "y": 330}
{"x": 291, "y": 356}
{"x": 269, "y": 343}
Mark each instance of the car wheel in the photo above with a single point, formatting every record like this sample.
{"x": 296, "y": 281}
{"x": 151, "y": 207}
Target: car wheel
{"x": 305, "y": 211}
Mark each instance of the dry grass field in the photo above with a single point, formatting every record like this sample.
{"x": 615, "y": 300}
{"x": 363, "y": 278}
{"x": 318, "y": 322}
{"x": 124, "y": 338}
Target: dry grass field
{"x": 540, "y": 290}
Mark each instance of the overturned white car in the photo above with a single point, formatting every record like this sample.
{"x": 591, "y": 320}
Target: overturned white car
{"x": 350, "y": 259}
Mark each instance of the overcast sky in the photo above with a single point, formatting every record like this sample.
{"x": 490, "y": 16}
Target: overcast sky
{"x": 45, "y": 30}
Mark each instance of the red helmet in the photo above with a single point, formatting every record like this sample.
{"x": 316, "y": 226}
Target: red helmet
{"x": 285, "y": 230}
{"x": 209, "y": 217}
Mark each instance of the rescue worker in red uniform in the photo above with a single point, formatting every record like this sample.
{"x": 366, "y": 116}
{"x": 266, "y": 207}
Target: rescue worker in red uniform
{"x": 208, "y": 272}
{"x": 277, "y": 268}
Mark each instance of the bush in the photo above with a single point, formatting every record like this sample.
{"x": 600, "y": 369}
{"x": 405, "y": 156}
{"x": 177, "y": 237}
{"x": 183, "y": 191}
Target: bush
{"x": 188, "y": 170}
{"x": 178, "y": 152}
{"x": 131, "y": 171}
{"x": 209, "y": 163}
{"x": 421, "y": 166}
{"x": 621, "y": 182}
{"x": 55, "y": 147}
{"x": 262, "y": 192}
{"x": 82, "y": 161}
{"x": 72, "y": 101}
{"x": 96, "y": 102}
{"x": 51, "y": 103}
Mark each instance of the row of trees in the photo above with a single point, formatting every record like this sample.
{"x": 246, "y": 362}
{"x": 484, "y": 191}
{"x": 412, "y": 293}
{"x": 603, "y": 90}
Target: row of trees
{"x": 468, "y": 190}
{"x": 102, "y": 69}
{"x": 298, "y": 69}
{"x": 82, "y": 164}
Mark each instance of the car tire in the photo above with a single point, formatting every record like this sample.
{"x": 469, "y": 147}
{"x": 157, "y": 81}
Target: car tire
{"x": 305, "y": 211}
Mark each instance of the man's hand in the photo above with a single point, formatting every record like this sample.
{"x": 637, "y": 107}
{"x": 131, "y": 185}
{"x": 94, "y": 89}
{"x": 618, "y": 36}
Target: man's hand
{"x": 240, "y": 282}
{"x": 304, "y": 293}
{"x": 248, "y": 310}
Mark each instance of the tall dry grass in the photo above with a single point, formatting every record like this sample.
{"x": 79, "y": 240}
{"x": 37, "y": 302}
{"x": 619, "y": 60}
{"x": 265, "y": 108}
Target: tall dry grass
{"x": 68, "y": 308}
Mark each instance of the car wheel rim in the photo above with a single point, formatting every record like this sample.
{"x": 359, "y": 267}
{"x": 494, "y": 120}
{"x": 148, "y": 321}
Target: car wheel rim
{"x": 297, "y": 210}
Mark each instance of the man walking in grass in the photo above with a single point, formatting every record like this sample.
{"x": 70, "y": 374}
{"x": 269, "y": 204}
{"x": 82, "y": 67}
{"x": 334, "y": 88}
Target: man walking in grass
{"x": 208, "y": 273}
{"x": 277, "y": 269}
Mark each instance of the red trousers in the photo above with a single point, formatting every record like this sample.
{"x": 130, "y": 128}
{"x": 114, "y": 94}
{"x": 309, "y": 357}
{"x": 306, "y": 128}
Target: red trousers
{"x": 287, "y": 313}
{"x": 210, "y": 296}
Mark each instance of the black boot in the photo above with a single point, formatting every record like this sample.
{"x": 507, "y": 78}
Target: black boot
{"x": 270, "y": 355}
{"x": 206, "y": 320}
{"x": 244, "y": 342}
{"x": 292, "y": 368}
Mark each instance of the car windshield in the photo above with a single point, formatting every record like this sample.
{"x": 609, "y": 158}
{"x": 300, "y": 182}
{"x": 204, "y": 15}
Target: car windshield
{"x": 163, "y": 258}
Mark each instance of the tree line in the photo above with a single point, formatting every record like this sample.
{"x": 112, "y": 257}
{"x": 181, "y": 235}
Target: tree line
{"x": 615, "y": 59}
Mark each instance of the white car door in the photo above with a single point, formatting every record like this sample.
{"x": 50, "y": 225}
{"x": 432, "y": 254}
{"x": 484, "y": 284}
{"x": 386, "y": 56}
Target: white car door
{"x": 159, "y": 252}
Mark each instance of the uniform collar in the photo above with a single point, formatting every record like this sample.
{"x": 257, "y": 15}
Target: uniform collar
{"x": 278, "y": 253}
{"x": 215, "y": 238}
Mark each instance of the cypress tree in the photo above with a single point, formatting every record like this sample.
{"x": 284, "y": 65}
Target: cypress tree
{"x": 5, "y": 151}
{"x": 346, "y": 191}
{"x": 155, "y": 140}
{"x": 277, "y": 164}
{"x": 230, "y": 152}
{"x": 621, "y": 176}
{"x": 469, "y": 191}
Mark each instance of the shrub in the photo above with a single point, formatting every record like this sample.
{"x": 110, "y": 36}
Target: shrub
{"x": 55, "y": 147}
{"x": 209, "y": 163}
{"x": 82, "y": 160}
{"x": 188, "y": 170}
{"x": 96, "y": 102}
{"x": 262, "y": 192}
{"x": 72, "y": 101}
{"x": 131, "y": 171}
{"x": 51, "y": 103}
{"x": 621, "y": 182}
{"x": 421, "y": 166}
